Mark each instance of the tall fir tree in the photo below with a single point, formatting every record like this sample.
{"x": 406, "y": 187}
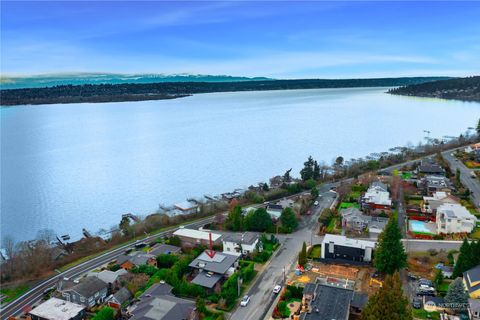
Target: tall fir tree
{"x": 302, "y": 256}
{"x": 390, "y": 254}
{"x": 467, "y": 258}
{"x": 389, "y": 302}
{"x": 457, "y": 296}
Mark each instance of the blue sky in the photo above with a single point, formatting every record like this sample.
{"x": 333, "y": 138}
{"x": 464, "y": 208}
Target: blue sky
{"x": 277, "y": 39}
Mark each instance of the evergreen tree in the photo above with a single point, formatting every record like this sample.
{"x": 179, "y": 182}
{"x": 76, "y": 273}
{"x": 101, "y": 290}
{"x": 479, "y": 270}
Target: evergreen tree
{"x": 316, "y": 170}
{"x": 314, "y": 192}
{"x": 307, "y": 171}
{"x": 457, "y": 296}
{"x": 289, "y": 220}
{"x": 390, "y": 254}
{"x": 438, "y": 277}
{"x": 478, "y": 127}
{"x": 235, "y": 219}
{"x": 466, "y": 259}
{"x": 258, "y": 220}
{"x": 389, "y": 302}
{"x": 302, "y": 256}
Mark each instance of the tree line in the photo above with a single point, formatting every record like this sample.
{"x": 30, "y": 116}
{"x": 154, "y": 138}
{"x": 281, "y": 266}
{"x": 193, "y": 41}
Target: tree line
{"x": 166, "y": 90}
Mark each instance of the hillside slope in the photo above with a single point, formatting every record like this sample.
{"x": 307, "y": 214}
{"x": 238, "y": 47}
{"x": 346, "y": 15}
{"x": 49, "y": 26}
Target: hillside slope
{"x": 467, "y": 89}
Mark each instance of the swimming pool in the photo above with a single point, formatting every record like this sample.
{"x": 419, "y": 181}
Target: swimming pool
{"x": 419, "y": 226}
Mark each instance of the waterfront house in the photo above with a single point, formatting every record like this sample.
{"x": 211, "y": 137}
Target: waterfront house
{"x": 377, "y": 197}
{"x": 57, "y": 309}
{"x": 454, "y": 218}
{"x": 240, "y": 243}
{"x": 158, "y": 303}
{"x": 118, "y": 299}
{"x": 136, "y": 259}
{"x": 431, "y": 203}
{"x": 343, "y": 248}
{"x": 471, "y": 279}
{"x": 210, "y": 269}
{"x": 193, "y": 237}
{"x": 354, "y": 220}
{"x": 274, "y": 210}
{"x": 185, "y": 208}
{"x": 89, "y": 292}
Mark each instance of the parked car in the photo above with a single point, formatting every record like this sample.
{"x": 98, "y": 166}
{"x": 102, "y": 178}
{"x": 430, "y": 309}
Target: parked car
{"x": 316, "y": 203}
{"x": 277, "y": 289}
{"x": 245, "y": 301}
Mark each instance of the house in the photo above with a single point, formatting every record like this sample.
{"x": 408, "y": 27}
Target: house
{"x": 286, "y": 203}
{"x": 431, "y": 204}
{"x": 471, "y": 279}
{"x": 57, "y": 309}
{"x": 158, "y": 303}
{"x": 161, "y": 248}
{"x": 324, "y": 301}
{"x": 109, "y": 277}
{"x": 136, "y": 259}
{"x": 343, "y": 248}
{"x": 274, "y": 210}
{"x": 353, "y": 219}
{"x": 240, "y": 243}
{"x": 187, "y": 207}
{"x": 433, "y": 183}
{"x": 119, "y": 298}
{"x": 454, "y": 218}
{"x": 429, "y": 167}
{"x": 89, "y": 292}
{"x": 194, "y": 237}
{"x": 433, "y": 304}
{"x": 474, "y": 309}
{"x": 447, "y": 271}
{"x": 377, "y": 196}
{"x": 209, "y": 270}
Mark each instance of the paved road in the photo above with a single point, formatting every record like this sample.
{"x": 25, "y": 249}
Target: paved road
{"x": 28, "y": 299}
{"x": 261, "y": 294}
{"x": 471, "y": 183}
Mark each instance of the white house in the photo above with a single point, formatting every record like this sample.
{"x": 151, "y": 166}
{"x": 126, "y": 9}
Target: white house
{"x": 454, "y": 218}
{"x": 240, "y": 243}
{"x": 431, "y": 204}
{"x": 341, "y": 247}
{"x": 195, "y": 237}
{"x": 187, "y": 207}
{"x": 377, "y": 196}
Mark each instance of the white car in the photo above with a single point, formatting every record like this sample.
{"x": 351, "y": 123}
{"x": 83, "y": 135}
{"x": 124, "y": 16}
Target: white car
{"x": 245, "y": 301}
{"x": 277, "y": 289}
{"x": 316, "y": 203}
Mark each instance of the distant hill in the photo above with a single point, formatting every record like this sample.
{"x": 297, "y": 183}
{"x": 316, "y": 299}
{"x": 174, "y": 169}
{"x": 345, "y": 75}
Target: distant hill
{"x": 467, "y": 89}
{"x": 169, "y": 90}
{"x": 51, "y": 80}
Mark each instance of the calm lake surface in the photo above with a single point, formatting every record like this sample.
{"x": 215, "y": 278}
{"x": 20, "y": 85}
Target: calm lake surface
{"x": 70, "y": 166}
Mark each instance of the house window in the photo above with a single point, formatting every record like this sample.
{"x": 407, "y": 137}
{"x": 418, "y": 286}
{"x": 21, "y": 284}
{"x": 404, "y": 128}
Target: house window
{"x": 82, "y": 299}
{"x": 96, "y": 295}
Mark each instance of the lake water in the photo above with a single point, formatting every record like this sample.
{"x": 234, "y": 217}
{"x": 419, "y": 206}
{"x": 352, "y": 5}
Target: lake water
{"x": 71, "y": 166}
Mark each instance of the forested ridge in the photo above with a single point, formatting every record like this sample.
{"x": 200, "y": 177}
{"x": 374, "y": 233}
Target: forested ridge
{"x": 467, "y": 89}
{"x": 169, "y": 90}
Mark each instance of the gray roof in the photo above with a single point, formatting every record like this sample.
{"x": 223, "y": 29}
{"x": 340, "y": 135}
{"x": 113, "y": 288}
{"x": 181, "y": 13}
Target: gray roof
{"x": 56, "y": 309}
{"x": 474, "y": 304}
{"x": 472, "y": 275}
{"x": 330, "y": 303}
{"x": 242, "y": 238}
{"x": 138, "y": 258}
{"x": 206, "y": 281}
{"x": 359, "y": 300}
{"x": 157, "y": 303}
{"x": 429, "y": 166}
{"x": 89, "y": 286}
{"x": 160, "y": 248}
{"x": 122, "y": 295}
{"x": 309, "y": 288}
{"x": 379, "y": 184}
{"x": 220, "y": 262}
{"x": 108, "y": 276}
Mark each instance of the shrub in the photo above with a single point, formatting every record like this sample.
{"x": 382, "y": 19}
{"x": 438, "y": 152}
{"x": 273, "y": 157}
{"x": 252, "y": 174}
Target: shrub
{"x": 166, "y": 260}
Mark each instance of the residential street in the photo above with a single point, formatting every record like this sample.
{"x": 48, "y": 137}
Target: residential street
{"x": 286, "y": 257}
{"x": 470, "y": 183}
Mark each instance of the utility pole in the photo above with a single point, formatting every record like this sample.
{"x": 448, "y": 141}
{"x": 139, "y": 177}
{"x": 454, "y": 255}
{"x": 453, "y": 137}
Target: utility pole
{"x": 284, "y": 276}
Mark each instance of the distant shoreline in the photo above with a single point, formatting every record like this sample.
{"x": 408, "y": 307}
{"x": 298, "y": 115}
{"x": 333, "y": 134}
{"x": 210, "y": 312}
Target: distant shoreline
{"x": 100, "y": 93}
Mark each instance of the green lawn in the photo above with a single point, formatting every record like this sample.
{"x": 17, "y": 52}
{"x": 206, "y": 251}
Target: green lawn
{"x": 13, "y": 293}
{"x": 345, "y": 205}
{"x": 406, "y": 175}
{"x": 331, "y": 224}
{"x": 422, "y": 314}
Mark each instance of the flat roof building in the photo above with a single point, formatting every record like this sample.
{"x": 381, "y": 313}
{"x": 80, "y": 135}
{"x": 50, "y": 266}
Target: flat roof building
{"x": 57, "y": 309}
